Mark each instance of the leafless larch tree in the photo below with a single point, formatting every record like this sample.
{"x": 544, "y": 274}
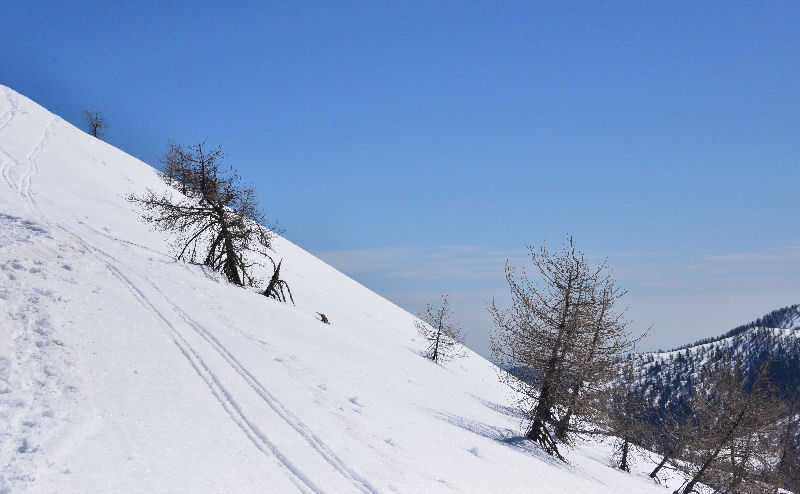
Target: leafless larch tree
{"x": 668, "y": 435}
{"x": 445, "y": 340}
{"x": 96, "y": 122}
{"x": 624, "y": 415}
{"x": 560, "y": 341}
{"x": 213, "y": 216}
{"x": 784, "y": 467}
{"x": 733, "y": 423}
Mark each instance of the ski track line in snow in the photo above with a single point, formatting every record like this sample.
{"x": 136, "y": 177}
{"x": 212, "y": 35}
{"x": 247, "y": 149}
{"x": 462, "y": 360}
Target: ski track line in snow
{"x": 279, "y": 408}
{"x": 223, "y": 395}
{"x": 122, "y": 240}
{"x": 5, "y": 163}
{"x": 23, "y": 185}
{"x": 9, "y": 115}
{"x": 4, "y": 121}
{"x": 31, "y": 168}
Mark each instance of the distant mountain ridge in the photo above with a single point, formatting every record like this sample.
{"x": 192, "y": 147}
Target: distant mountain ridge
{"x": 784, "y": 318}
{"x": 774, "y": 338}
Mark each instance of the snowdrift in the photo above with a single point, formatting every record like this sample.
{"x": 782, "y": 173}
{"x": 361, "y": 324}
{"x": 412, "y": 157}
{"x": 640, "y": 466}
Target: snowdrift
{"x": 123, "y": 370}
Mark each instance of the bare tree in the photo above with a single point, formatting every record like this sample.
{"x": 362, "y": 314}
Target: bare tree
{"x": 216, "y": 219}
{"x": 179, "y": 166}
{"x": 784, "y": 467}
{"x": 670, "y": 437}
{"x": 276, "y": 286}
{"x": 625, "y": 415}
{"x": 559, "y": 340}
{"x": 444, "y": 336}
{"x": 731, "y": 416}
{"x": 604, "y": 337}
{"x": 96, "y": 122}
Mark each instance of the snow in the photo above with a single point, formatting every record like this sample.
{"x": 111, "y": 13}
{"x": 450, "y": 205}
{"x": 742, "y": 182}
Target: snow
{"x": 793, "y": 321}
{"x": 123, "y": 370}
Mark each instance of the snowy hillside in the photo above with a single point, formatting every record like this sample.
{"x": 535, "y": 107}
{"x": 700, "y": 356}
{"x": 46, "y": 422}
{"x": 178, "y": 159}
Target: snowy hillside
{"x": 123, "y": 370}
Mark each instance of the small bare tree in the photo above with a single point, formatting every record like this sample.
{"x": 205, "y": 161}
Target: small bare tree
{"x": 625, "y": 415}
{"x": 179, "y": 166}
{"x": 668, "y": 436}
{"x": 444, "y": 336}
{"x": 275, "y": 287}
{"x": 215, "y": 221}
{"x": 96, "y": 122}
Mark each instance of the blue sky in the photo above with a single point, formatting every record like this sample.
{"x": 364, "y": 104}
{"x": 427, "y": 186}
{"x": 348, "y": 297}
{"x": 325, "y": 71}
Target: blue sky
{"x": 418, "y": 145}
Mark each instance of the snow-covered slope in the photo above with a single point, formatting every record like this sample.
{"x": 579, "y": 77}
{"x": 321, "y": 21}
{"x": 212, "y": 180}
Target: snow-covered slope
{"x": 122, "y": 370}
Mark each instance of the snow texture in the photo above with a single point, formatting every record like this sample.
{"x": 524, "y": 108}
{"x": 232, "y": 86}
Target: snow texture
{"x": 124, "y": 370}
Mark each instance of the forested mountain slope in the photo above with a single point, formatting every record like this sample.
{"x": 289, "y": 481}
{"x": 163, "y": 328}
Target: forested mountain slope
{"x": 773, "y": 338}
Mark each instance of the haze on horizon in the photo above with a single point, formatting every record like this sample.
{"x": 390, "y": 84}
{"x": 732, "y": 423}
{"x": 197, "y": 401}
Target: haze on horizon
{"x": 418, "y": 146}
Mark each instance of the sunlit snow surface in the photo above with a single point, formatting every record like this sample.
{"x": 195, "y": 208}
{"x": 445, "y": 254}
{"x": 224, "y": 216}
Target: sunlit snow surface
{"x": 122, "y": 370}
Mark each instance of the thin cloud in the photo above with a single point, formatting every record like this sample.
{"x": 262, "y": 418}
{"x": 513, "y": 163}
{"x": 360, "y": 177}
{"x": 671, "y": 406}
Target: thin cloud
{"x": 366, "y": 260}
{"x": 439, "y": 263}
{"x": 790, "y": 254}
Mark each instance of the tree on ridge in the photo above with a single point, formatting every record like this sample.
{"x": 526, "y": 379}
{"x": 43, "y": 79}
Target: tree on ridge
{"x": 96, "y": 122}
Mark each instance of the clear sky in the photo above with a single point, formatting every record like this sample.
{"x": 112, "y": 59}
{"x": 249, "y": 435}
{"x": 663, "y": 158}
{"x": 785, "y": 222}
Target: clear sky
{"x": 418, "y": 145}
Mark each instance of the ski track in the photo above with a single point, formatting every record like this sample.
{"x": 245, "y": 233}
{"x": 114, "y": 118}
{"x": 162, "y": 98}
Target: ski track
{"x": 7, "y": 161}
{"x": 281, "y": 410}
{"x": 23, "y": 185}
{"x": 5, "y": 164}
{"x": 319, "y": 446}
{"x": 256, "y": 436}
{"x": 31, "y": 168}
{"x": 9, "y": 115}
{"x": 220, "y": 392}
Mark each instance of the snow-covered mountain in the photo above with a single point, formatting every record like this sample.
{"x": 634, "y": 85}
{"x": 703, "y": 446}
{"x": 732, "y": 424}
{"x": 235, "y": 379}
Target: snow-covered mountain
{"x": 774, "y": 338}
{"x": 124, "y": 370}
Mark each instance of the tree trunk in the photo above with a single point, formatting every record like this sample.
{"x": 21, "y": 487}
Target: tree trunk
{"x": 542, "y": 416}
{"x": 562, "y": 427}
{"x": 659, "y": 467}
{"x": 231, "y": 268}
{"x": 544, "y": 407}
{"x": 690, "y": 486}
{"x": 272, "y": 287}
{"x": 435, "y": 355}
{"x": 728, "y": 435}
{"x": 623, "y": 462}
